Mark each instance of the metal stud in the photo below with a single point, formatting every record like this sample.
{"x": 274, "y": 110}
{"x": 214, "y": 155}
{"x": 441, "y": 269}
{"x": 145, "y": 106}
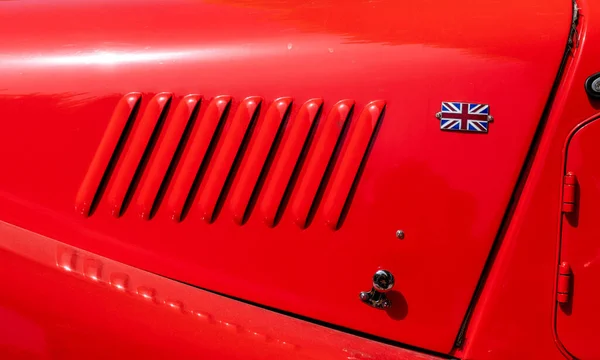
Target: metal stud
{"x": 383, "y": 282}
{"x": 592, "y": 86}
{"x": 596, "y": 85}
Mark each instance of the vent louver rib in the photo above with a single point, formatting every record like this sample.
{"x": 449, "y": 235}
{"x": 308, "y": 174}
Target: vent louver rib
{"x": 249, "y": 174}
{"x": 290, "y": 153}
{"x": 321, "y": 157}
{"x": 199, "y": 144}
{"x": 224, "y": 161}
{"x": 106, "y": 154}
{"x": 166, "y": 151}
{"x": 133, "y": 157}
{"x": 282, "y": 177}
{"x": 350, "y": 162}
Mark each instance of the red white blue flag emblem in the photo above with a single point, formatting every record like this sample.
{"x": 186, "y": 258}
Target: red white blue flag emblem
{"x": 457, "y": 116}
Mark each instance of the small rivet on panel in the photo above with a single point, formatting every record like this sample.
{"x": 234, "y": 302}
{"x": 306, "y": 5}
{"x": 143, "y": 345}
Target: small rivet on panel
{"x": 400, "y": 234}
{"x": 120, "y": 281}
{"x": 147, "y": 293}
{"x": 174, "y": 304}
{"x": 203, "y": 316}
{"x": 286, "y": 345}
{"x": 256, "y": 335}
{"x": 229, "y": 326}
{"x": 92, "y": 269}
{"x": 66, "y": 259}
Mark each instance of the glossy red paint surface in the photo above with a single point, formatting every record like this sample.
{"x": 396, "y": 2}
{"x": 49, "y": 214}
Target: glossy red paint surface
{"x": 514, "y": 315}
{"x": 316, "y": 167}
{"x": 106, "y": 150}
{"x": 66, "y": 303}
{"x": 172, "y": 141}
{"x": 578, "y": 318}
{"x": 227, "y": 153}
{"x": 132, "y": 158}
{"x": 194, "y": 157}
{"x": 443, "y": 189}
{"x": 257, "y": 158}
{"x": 285, "y": 165}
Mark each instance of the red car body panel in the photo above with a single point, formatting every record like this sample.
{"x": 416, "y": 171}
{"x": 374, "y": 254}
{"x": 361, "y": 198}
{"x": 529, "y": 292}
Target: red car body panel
{"x": 269, "y": 151}
{"x": 515, "y": 315}
{"x": 577, "y": 318}
{"x": 68, "y": 303}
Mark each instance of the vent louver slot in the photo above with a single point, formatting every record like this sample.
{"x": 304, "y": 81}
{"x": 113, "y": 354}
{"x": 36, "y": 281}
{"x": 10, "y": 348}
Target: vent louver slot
{"x": 107, "y": 152}
{"x": 140, "y": 144}
{"x": 224, "y": 161}
{"x": 257, "y": 156}
{"x": 193, "y": 159}
{"x": 283, "y": 169}
{"x": 174, "y": 135}
{"x": 316, "y": 166}
{"x": 310, "y": 149}
{"x": 351, "y": 160}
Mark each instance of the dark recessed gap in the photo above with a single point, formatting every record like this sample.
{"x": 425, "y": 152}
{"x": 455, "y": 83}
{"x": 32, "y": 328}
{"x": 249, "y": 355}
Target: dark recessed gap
{"x": 176, "y": 159}
{"x": 145, "y": 157}
{"x": 294, "y": 178}
{"x": 521, "y": 180}
{"x": 236, "y": 163}
{"x": 114, "y": 158}
{"x": 267, "y": 165}
{"x": 329, "y": 169}
{"x": 204, "y": 164}
{"x": 361, "y": 168}
{"x": 421, "y": 351}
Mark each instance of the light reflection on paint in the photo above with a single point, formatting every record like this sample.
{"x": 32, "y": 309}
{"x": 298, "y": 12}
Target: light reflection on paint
{"x": 116, "y": 57}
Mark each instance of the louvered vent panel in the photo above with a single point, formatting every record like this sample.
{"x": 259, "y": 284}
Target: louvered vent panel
{"x": 296, "y": 134}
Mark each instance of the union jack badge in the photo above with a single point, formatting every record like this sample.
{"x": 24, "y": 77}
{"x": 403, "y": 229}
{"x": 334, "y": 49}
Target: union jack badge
{"x": 457, "y": 116}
